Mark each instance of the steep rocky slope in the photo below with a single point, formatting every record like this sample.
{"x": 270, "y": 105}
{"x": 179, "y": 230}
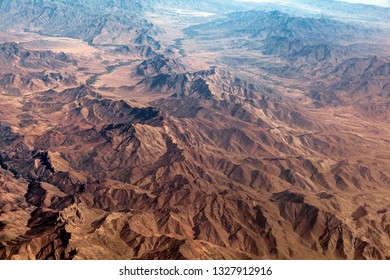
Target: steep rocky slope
{"x": 22, "y": 69}
{"x": 108, "y": 180}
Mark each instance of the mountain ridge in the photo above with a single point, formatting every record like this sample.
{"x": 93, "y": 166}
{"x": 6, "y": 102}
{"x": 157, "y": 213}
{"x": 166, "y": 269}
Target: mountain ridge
{"x": 193, "y": 133}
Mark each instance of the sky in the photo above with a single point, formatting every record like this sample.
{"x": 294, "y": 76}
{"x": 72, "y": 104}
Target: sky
{"x": 383, "y": 3}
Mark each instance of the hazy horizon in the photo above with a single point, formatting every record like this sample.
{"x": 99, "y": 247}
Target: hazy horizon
{"x": 381, "y": 3}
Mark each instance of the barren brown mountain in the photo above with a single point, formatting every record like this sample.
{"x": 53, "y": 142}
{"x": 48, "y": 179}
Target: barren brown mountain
{"x": 180, "y": 130}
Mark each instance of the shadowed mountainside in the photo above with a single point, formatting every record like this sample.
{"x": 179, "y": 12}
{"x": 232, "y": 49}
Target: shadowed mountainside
{"x": 157, "y": 186}
{"x": 23, "y": 69}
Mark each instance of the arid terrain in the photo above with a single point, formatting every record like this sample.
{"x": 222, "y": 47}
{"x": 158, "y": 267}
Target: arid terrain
{"x": 202, "y": 129}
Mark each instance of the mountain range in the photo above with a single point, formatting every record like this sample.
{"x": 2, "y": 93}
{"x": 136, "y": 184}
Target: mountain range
{"x": 187, "y": 130}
